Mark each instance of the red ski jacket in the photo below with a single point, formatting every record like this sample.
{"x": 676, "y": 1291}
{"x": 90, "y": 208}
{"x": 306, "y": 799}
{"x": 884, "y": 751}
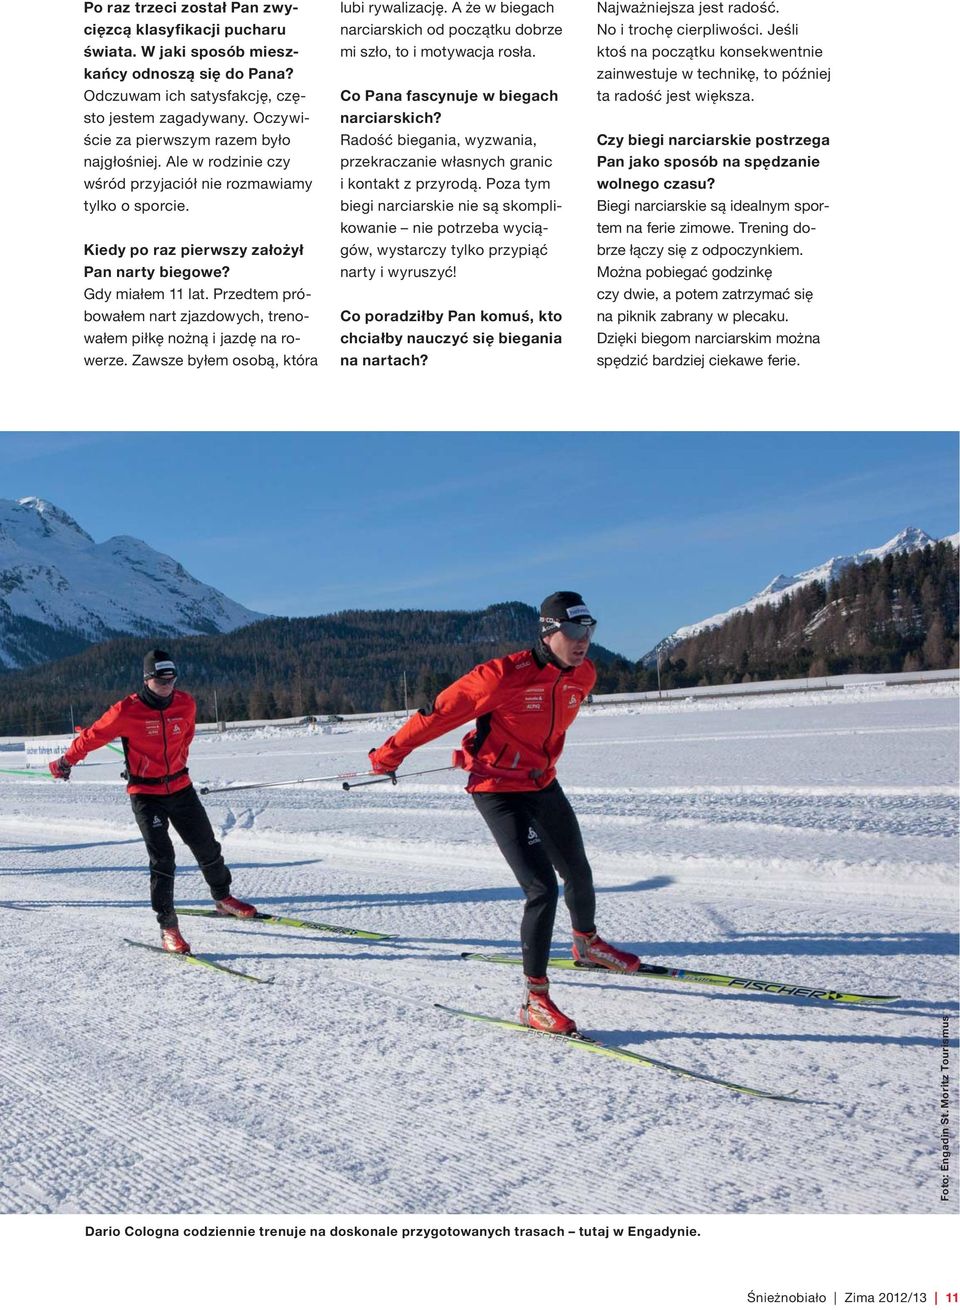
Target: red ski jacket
{"x": 155, "y": 742}
{"x": 523, "y": 709}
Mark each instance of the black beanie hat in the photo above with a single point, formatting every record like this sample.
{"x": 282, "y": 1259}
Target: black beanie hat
{"x": 157, "y": 662}
{"x": 564, "y": 607}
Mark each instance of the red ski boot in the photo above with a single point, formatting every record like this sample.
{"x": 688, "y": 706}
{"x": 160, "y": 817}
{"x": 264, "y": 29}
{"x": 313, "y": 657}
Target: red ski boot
{"x": 538, "y": 1011}
{"x": 234, "y": 908}
{"x": 171, "y": 940}
{"x": 592, "y": 952}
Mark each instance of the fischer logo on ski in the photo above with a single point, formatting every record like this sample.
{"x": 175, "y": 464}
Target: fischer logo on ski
{"x": 730, "y": 981}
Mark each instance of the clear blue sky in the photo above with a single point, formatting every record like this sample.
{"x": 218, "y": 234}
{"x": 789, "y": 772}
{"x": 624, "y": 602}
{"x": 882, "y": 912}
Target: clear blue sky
{"x": 655, "y": 529}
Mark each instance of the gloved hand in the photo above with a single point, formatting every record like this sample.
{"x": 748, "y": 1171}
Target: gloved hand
{"x": 385, "y": 759}
{"x": 60, "y": 768}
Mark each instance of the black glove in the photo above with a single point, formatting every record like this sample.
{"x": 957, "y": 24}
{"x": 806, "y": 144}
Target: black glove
{"x": 60, "y": 768}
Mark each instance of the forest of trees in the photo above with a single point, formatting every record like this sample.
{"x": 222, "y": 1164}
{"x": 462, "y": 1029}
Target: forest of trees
{"x": 898, "y": 614}
{"x": 344, "y": 663}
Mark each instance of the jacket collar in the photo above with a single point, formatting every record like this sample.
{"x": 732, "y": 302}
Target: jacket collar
{"x": 153, "y": 701}
{"x": 544, "y": 656}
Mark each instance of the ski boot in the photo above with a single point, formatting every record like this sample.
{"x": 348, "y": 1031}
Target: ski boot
{"x": 171, "y": 940}
{"x": 538, "y": 1011}
{"x": 591, "y": 952}
{"x": 234, "y": 908}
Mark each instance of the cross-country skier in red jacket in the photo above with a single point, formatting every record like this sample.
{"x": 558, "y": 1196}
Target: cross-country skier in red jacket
{"x": 523, "y": 705}
{"x": 156, "y": 726}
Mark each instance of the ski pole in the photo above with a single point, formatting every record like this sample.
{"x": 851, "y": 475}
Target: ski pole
{"x": 27, "y": 773}
{"x": 289, "y": 782}
{"x": 392, "y": 777}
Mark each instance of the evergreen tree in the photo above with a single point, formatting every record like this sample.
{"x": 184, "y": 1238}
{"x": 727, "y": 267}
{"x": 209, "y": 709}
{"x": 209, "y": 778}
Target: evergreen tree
{"x": 935, "y": 647}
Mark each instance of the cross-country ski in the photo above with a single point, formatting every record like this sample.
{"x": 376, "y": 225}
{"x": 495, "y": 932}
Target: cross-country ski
{"x": 286, "y": 921}
{"x": 583, "y": 1042}
{"x": 699, "y": 977}
{"x": 189, "y": 958}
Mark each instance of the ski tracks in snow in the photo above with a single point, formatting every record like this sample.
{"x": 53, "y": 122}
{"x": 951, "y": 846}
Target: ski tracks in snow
{"x": 785, "y": 849}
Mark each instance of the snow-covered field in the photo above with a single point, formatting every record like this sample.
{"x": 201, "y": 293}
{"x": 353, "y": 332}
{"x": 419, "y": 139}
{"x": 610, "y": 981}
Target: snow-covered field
{"x": 805, "y": 838}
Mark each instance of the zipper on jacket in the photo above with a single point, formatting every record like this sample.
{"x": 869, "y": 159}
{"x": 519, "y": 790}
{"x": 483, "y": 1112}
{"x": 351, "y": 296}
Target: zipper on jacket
{"x": 553, "y": 719}
{"x": 166, "y": 758}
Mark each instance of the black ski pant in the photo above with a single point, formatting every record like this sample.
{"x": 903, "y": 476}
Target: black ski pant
{"x": 185, "y": 811}
{"x": 539, "y": 837}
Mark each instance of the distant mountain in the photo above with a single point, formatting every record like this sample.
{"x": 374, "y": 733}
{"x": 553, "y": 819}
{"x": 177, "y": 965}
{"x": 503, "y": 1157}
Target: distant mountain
{"x": 910, "y": 539}
{"x": 60, "y": 591}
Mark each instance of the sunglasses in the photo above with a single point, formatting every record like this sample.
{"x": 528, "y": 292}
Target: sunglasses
{"x": 575, "y": 631}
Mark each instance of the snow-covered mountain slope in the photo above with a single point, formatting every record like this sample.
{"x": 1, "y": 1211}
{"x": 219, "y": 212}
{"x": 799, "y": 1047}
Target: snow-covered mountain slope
{"x": 60, "y": 590}
{"x": 909, "y": 539}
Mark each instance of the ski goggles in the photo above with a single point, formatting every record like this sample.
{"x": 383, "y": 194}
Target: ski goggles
{"x": 160, "y": 677}
{"x": 576, "y": 629}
